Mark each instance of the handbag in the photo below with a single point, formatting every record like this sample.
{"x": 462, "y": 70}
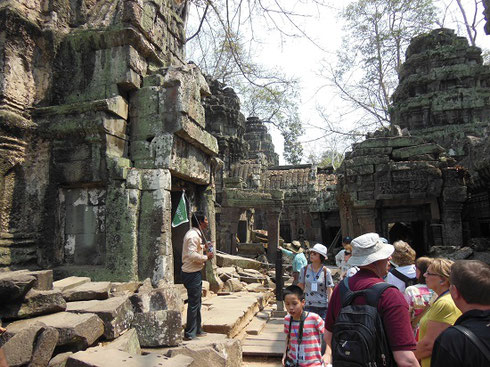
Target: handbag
{"x": 289, "y": 362}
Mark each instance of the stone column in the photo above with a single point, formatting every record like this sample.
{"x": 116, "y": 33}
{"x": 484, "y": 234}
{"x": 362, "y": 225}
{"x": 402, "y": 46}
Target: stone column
{"x": 366, "y": 218}
{"x": 229, "y": 229}
{"x": 215, "y": 283}
{"x": 273, "y": 234}
{"x": 452, "y": 227}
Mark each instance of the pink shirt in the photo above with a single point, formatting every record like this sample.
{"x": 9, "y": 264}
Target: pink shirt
{"x": 392, "y": 307}
{"x": 310, "y": 349}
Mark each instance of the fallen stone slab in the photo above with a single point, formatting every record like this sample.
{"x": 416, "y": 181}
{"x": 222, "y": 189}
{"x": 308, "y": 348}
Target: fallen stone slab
{"x": 233, "y": 285}
{"x": 70, "y": 282}
{"x": 101, "y": 357}
{"x": 158, "y": 328}
{"x": 256, "y": 288}
{"x": 127, "y": 342}
{"x": 76, "y": 331}
{"x": 32, "y": 346}
{"x": 60, "y": 360}
{"x": 35, "y": 303}
{"x": 212, "y": 351}
{"x": 88, "y": 291}
{"x": 256, "y": 326}
{"x": 225, "y": 260}
{"x": 14, "y": 285}
{"x": 226, "y": 273}
{"x": 230, "y": 314}
{"x": 116, "y": 313}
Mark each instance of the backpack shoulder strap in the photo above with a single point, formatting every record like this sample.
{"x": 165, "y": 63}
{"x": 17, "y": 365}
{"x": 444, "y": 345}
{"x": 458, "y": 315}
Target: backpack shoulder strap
{"x": 470, "y": 335}
{"x": 401, "y": 276}
{"x": 346, "y": 295}
{"x": 373, "y": 294}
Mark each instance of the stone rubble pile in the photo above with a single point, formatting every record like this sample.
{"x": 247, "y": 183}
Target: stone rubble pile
{"x": 75, "y": 322}
{"x": 53, "y": 323}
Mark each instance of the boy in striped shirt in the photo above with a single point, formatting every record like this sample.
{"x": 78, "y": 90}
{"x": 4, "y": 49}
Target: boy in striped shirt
{"x": 303, "y": 348}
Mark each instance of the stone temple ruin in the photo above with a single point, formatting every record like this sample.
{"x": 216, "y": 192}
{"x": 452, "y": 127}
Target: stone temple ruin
{"x": 103, "y": 125}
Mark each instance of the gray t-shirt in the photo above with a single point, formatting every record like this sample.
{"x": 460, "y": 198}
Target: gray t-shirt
{"x": 316, "y": 298}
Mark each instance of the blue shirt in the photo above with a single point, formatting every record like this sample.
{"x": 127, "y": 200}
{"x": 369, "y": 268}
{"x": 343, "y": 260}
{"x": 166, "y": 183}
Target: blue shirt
{"x": 299, "y": 260}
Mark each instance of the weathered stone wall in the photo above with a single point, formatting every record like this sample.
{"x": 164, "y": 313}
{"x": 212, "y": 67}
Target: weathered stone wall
{"x": 98, "y": 112}
{"x": 402, "y": 179}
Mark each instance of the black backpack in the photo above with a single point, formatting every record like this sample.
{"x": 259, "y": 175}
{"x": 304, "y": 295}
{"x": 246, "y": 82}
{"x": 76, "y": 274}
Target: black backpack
{"x": 359, "y": 338}
{"x": 408, "y": 281}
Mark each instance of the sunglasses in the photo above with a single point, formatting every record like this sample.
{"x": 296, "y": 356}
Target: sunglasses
{"x": 433, "y": 274}
{"x": 347, "y": 252}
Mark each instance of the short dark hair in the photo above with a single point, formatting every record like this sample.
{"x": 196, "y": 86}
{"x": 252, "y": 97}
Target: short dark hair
{"x": 472, "y": 278}
{"x": 347, "y": 239}
{"x": 197, "y": 217}
{"x": 294, "y": 289}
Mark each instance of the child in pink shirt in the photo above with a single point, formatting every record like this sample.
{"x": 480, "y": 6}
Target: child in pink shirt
{"x": 303, "y": 344}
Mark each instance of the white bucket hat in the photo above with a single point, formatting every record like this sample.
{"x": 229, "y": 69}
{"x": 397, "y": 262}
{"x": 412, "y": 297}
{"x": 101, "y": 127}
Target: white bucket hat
{"x": 369, "y": 248}
{"x": 320, "y": 249}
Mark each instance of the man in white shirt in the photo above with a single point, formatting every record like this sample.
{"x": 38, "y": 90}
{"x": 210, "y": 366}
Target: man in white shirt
{"x": 340, "y": 257}
{"x": 193, "y": 260}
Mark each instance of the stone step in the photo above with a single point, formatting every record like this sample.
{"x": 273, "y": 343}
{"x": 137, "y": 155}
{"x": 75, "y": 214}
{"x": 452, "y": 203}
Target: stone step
{"x": 255, "y": 326}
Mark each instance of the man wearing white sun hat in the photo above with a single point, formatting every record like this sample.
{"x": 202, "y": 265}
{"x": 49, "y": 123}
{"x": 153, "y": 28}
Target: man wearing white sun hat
{"x": 372, "y": 256}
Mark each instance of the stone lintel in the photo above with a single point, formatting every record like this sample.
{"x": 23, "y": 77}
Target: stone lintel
{"x": 249, "y": 198}
{"x": 116, "y": 105}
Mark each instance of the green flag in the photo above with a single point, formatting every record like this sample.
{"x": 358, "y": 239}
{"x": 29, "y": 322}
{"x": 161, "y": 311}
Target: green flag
{"x": 180, "y": 215}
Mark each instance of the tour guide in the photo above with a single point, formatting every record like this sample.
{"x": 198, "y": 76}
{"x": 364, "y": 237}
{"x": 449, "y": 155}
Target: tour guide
{"x": 193, "y": 260}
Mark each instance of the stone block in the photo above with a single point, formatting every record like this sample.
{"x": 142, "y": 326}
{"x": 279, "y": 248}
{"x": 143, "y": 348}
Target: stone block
{"x": 35, "y": 303}
{"x": 70, "y": 282}
{"x": 392, "y": 142}
{"x": 101, "y": 357}
{"x": 60, "y": 360}
{"x": 428, "y": 148}
{"x": 76, "y": 331}
{"x": 32, "y": 346}
{"x": 167, "y": 298}
{"x": 205, "y": 288}
{"x": 88, "y": 291}
{"x": 127, "y": 342}
{"x": 14, "y": 285}
{"x": 158, "y": 328}
{"x": 116, "y": 313}
{"x": 222, "y": 352}
{"x": 44, "y": 279}
{"x": 130, "y": 287}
